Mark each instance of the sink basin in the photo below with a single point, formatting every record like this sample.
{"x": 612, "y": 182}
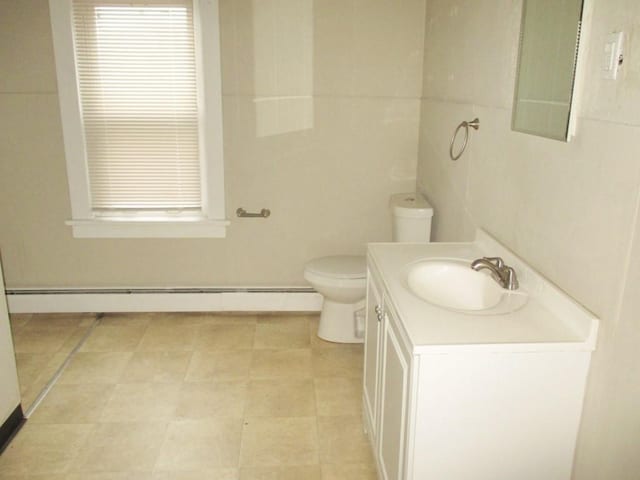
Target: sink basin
{"x": 452, "y": 284}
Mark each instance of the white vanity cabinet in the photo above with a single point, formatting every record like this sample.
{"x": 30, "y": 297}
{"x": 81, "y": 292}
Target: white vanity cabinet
{"x": 463, "y": 397}
{"x": 386, "y": 385}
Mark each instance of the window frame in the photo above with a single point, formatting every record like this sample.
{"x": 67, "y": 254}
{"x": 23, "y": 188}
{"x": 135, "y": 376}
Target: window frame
{"x": 85, "y": 222}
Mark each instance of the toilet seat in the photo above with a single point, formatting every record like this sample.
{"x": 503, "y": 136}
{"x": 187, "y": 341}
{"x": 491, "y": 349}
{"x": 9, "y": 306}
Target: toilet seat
{"x": 339, "y": 267}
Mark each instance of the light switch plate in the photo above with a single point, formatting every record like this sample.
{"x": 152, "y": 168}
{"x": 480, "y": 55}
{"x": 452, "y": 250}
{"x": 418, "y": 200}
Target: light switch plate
{"x": 612, "y": 57}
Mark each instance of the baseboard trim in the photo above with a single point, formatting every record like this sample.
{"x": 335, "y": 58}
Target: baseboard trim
{"x": 11, "y": 427}
{"x": 164, "y": 300}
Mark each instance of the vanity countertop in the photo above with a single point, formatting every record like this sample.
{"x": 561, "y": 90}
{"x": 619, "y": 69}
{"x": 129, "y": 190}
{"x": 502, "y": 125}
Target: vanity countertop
{"x": 550, "y": 320}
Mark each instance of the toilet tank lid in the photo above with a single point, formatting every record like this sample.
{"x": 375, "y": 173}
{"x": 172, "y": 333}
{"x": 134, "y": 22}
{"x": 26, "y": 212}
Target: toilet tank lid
{"x": 339, "y": 266}
{"x": 411, "y": 205}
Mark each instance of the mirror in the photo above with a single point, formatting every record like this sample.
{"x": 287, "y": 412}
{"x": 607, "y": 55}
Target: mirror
{"x": 549, "y": 39}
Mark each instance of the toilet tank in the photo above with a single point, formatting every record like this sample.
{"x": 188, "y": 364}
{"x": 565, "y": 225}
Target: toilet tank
{"x": 411, "y": 214}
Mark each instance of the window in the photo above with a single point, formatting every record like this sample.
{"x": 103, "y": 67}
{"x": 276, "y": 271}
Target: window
{"x": 139, "y": 87}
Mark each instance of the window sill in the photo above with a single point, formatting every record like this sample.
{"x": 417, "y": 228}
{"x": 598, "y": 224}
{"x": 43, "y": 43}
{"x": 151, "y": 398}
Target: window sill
{"x": 122, "y": 227}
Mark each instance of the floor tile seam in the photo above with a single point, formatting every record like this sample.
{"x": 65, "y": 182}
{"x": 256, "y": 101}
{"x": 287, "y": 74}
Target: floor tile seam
{"x": 60, "y": 371}
{"x": 87, "y": 446}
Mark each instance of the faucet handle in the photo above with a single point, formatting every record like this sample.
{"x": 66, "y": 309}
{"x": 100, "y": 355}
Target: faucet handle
{"x": 511, "y": 279}
{"x": 497, "y": 261}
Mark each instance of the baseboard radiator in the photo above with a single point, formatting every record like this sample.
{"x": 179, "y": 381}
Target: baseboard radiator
{"x": 231, "y": 299}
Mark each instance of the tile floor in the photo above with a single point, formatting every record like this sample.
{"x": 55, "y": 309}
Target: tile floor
{"x": 42, "y": 343}
{"x": 196, "y": 396}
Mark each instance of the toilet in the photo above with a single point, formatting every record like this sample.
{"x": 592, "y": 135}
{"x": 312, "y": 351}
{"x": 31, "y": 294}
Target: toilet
{"x": 342, "y": 279}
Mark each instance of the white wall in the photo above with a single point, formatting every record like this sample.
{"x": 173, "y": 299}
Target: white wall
{"x": 324, "y": 162}
{"x": 10, "y": 391}
{"x": 569, "y": 209}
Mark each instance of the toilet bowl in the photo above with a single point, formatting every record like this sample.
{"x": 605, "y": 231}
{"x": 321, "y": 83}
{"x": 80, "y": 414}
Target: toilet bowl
{"x": 341, "y": 280}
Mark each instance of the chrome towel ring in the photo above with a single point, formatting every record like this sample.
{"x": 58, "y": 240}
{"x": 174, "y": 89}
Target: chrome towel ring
{"x": 475, "y": 124}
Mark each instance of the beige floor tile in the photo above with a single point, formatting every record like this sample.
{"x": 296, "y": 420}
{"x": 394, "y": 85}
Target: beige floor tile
{"x": 280, "y": 398}
{"x": 338, "y": 396}
{"x": 133, "y": 319}
{"x": 29, "y": 366}
{"x": 163, "y": 338}
{"x": 175, "y": 319}
{"x": 212, "y": 474}
{"x": 202, "y": 318}
{"x": 240, "y": 318}
{"x": 346, "y": 361}
{"x": 72, "y": 342}
{"x": 41, "y": 339}
{"x": 19, "y": 319}
{"x": 141, "y": 402}
{"x": 61, "y": 319}
{"x": 219, "y": 365}
{"x": 109, "y": 476}
{"x": 114, "y": 338}
{"x": 212, "y": 399}
{"x": 282, "y": 332}
{"x": 271, "y": 441}
{"x": 305, "y": 472}
{"x": 121, "y": 447}
{"x": 87, "y": 476}
{"x": 82, "y": 403}
{"x": 342, "y": 440}
{"x": 197, "y": 445}
{"x": 281, "y": 363}
{"x": 43, "y": 449}
{"x": 156, "y": 367}
{"x": 316, "y": 341}
{"x": 95, "y": 367}
{"x": 349, "y": 472}
{"x": 225, "y": 337}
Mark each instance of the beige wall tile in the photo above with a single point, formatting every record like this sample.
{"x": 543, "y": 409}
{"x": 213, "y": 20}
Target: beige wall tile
{"x": 351, "y": 144}
{"x": 566, "y": 208}
{"x": 279, "y": 441}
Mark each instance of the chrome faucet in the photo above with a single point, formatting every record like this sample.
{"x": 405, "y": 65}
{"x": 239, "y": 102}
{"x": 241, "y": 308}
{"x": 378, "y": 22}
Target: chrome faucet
{"x": 501, "y": 273}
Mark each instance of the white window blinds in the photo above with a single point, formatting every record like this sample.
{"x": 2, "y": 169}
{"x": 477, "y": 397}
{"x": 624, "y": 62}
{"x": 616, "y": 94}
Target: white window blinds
{"x": 137, "y": 80}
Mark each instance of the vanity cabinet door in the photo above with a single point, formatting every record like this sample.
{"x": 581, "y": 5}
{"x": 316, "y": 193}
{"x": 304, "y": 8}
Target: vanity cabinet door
{"x": 372, "y": 356}
{"x": 393, "y": 403}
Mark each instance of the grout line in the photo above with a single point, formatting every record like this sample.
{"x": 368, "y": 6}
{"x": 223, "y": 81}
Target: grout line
{"x": 58, "y": 373}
